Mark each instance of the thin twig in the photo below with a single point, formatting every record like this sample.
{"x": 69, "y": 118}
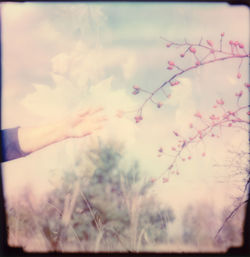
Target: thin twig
{"x": 229, "y": 216}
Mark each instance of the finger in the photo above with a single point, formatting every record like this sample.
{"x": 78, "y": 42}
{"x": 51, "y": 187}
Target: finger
{"x": 84, "y": 112}
{"x": 89, "y": 111}
{"x": 92, "y": 130}
{"x": 100, "y": 119}
{"x": 96, "y": 110}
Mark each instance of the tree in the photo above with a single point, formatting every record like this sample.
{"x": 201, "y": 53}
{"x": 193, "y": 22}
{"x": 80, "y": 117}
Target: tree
{"x": 202, "y": 54}
{"x": 111, "y": 210}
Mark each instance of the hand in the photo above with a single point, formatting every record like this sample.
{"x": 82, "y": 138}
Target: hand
{"x": 84, "y": 123}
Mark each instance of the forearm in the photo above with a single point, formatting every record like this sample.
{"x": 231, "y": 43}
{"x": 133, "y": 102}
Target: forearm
{"x": 19, "y": 142}
{"x": 34, "y": 138}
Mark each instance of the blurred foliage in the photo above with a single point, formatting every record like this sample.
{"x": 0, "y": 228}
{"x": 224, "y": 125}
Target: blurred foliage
{"x": 111, "y": 210}
{"x": 200, "y": 226}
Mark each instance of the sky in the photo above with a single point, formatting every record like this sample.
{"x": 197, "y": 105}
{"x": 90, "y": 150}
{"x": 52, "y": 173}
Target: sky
{"x": 60, "y": 57}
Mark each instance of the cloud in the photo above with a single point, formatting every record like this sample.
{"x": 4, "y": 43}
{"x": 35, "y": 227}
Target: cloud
{"x": 182, "y": 98}
{"x": 85, "y": 60}
{"x": 129, "y": 67}
{"x": 79, "y": 74}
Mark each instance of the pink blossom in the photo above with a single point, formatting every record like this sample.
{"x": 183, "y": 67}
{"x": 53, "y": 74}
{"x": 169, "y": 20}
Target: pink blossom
{"x": 135, "y": 92}
{"x": 170, "y": 167}
{"x": 239, "y": 75}
{"x": 136, "y": 87}
{"x": 231, "y": 113}
{"x": 198, "y": 115}
{"x": 182, "y": 55}
{"x": 198, "y": 63}
{"x": 239, "y": 94}
{"x": 170, "y": 67}
{"x": 190, "y": 125}
{"x": 153, "y": 180}
{"x": 189, "y": 157}
{"x": 192, "y": 50}
{"x": 174, "y": 83}
{"x": 168, "y": 45}
{"x": 230, "y": 124}
{"x": 222, "y": 34}
{"x": 173, "y": 149}
{"x": 230, "y": 42}
{"x": 159, "y": 105}
{"x": 164, "y": 180}
{"x": 241, "y": 45}
{"x": 210, "y": 43}
{"x": 220, "y": 101}
{"x": 248, "y": 113}
{"x": 176, "y": 133}
{"x": 212, "y": 117}
{"x": 138, "y": 119}
{"x": 171, "y": 63}
{"x": 247, "y": 85}
{"x": 203, "y": 154}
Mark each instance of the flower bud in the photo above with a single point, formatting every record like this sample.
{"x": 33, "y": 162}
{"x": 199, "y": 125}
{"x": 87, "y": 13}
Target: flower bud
{"x": 176, "y": 133}
{"x": 136, "y": 87}
{"x": 239, "y": 94}
{"x": 159, "y": 105}
{"x": 174, "y": 83}
{"x": 164, "y": 180}
{"x": 220, "y": 101}
{"x": 138, "y": 119}
{"x": 192, "y": 50}
{"x": 135, "y": 92}
{"x": 241, "y": 45}
{"x": 198, "y": 115}
{"x": 210, "y": 43}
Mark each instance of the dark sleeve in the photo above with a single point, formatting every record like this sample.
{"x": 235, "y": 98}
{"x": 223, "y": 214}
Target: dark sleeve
{"x": 10, "y": 148}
